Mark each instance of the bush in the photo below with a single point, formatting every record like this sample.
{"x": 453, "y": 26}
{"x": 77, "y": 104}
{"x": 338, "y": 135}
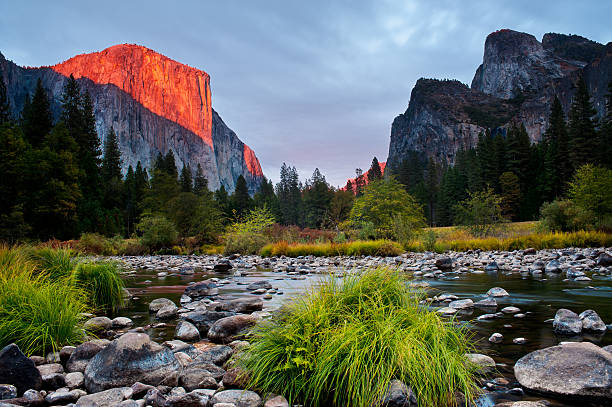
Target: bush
{"x": 36, "y": 313}
{"x": 591, "y": 190}
{"x": 429, "y": 240}
{"x": 246, "y": 236}
{"x": 565, "y": 215}
{"x": 103, "y": 283}
{"x": 382, "y": 204}
{"x": 481, "y": 212}
{"x": 92, "y": 243}
{"x": 156, "y": 232}
{"x": 343, "y": 342}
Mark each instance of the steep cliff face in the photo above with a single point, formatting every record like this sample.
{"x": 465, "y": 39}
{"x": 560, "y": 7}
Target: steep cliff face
{"x": 153, "y": 103}
{"x": 516, "y": 83}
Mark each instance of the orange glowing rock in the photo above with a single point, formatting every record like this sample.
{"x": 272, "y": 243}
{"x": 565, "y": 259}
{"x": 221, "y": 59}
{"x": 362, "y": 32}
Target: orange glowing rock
{"x": 168, "y": 88}
{"x": 251, "y": 161}
{"x": 382, "y": 166}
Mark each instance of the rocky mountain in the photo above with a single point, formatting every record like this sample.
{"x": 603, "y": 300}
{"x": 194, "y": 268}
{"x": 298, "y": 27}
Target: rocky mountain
{"x": 516, "y": 83}
{"x": 381, "y": 165}
{"x": 153, "y": 103}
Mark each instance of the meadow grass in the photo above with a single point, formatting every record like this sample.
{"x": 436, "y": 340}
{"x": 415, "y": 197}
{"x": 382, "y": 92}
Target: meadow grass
{"x": 341, "y": 343}
{"x": 102, "y": 281}
{"x": 56, "y": 264}
{"x": 356, "y": 248}
{"x": 37, "y": 313}
{"x": 538, "y": 241}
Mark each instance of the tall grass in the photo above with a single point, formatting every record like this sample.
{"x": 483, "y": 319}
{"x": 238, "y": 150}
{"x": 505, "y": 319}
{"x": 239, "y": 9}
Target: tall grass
{"x": 57, "y": 264}
{"x": 102, "y": 281}
{"x": 343, "y": 342}
{"x": 539, "y": 241}
{"x": 357, "y": 248}
{"x": 36, "y": 313}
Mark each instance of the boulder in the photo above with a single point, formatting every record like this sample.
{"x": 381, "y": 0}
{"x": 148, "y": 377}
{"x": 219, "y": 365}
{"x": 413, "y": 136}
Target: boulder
{"x": 592, "y": 322}
{"x": 218, "y": 355}
{"x": 567, "y": 322}
{"x": 496, "y": 338}
{"x": 239, "y": 398}
{"x": 186, "y": 331}
{"x": 444, "y": 263}
{"x": 276, "y": 401}
{"x": 553, "y": 266}
{"x": 227, "y": 329}
{"x": 64, "y": 396}
{"x": 201, "y": 290}
{"x": 461, "y": 304}
{"x": 574, "y": 369}
{"x": 107, "y": 398}
{"x": 244, "y": 305}
{"x": 497, "y": 292}
{"x": 131, "y": 358}
{"x": 78, "y": 360}
{"x": 223, "y": 265}
{"x": 398, "y": 394}
{"x": 18, "y": 370}
{"x": 167, "y": 312}
{"x": 7, "y": 391}
{"x": 98, "y": 324}
{"x": 74, "y": 380}
{"x": 235, "y": 378}
{"x": 203, "y": 320}
{"x": 194, "y": 378}
{"x": 121, "y": 322}
{"x": 485, "y": 363}
{"x": 491, "y": 267}
{"x": 261, "y": 284}
{"x": 196, "y": 398}
{"x": 158, "y": 304}
{"x": 486, "y": 303}
{"x": 604, "y": 260}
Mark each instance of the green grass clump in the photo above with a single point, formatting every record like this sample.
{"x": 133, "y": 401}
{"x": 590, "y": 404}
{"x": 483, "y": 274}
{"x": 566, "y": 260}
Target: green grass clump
{"x": 36, "y": 313}
{"x": 57, "y": 264}
{"x": 102, "y": 281}
{"x": 356, "y": 248}
{"x": 343, "y": 342}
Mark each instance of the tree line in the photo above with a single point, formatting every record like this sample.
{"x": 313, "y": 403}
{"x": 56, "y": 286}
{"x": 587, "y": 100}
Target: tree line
{"x": 525, "y": 175}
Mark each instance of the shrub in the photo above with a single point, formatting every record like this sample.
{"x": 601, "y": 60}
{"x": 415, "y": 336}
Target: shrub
{"x": 103, "y": 283}
{"x": 382, "y": 203}
{"x": 92, "y": 243}
{"x": 429, "y": 240}
{"x": 246, "y": 236}
{"x": 591, "y": 190}
{"x": 343, "y": 342}
{"x": 481, "y": 212}
{"x": 156, "y": 232}
{"x": 565, "y": 215}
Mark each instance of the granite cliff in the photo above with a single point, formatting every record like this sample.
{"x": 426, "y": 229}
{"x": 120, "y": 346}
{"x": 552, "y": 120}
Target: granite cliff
{"x": 516, "y": 83}
{"x": 153, "y": 103}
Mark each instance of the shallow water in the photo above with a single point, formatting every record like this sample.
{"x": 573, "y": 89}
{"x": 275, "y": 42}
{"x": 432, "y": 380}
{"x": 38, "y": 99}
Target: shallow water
{"x": 537, "y": 298}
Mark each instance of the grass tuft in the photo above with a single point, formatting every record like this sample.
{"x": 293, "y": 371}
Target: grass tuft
{"x": 343, "y": 342}
{"x": 103, "y": 283}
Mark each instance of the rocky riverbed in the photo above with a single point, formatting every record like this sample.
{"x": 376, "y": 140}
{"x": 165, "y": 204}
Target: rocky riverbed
{"x": 539, "y": 318}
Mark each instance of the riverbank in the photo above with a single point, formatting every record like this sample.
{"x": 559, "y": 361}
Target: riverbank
{"x": 253, "y": 287}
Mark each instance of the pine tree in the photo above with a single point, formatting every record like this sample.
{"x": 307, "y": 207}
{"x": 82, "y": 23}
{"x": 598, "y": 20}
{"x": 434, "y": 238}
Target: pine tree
{"x": 605, "y": 133}
{"x": 557, "y": 165}
{"x": 360, "y": 182}
{"x": 374, "y": 172}
{"x": 200, "y": 183}
{"x": 349, "y": 186}
{"x": 170, "y": 165}
{"x": 518, "y": 153}
{"x": 129, "y": 196}
{"x": 111, "y": 162}
{"x": 317, "y": 197}
{"x": 510, "y": 195}
{"x": 222, "y": 199}
{"x": 241, "y": 200}
{"x": 185, "y": 179}
{"x": 13, "y": 153}
{"x": 288, "y": 191}
{"x": 266, "y": 198}
{"x": 141, "y": 186}
{"x": 5, "y": 106}
{"x": 582, "y": 135}
{"x": 37, "y": 117}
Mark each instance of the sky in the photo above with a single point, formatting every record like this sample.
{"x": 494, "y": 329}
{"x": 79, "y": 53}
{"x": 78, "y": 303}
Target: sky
{"x": 311, "y": 83}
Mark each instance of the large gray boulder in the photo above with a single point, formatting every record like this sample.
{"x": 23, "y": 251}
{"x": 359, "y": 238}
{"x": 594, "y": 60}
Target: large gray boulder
{"x": 239, "y": 398}
{"x": 567, "y": 322}
{"x": 131, "y": 358}
{"x": 80, "y": 357}
{"x": 574, "y": 369}
{"x": 227, "y": 329}
{"x": 18, "y": 370}
{"x": 201, "y": 290}
{"x": 592, "y": 322}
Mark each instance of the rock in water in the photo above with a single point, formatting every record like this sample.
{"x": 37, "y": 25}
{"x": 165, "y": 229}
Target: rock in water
{"x": 265, "y": 284}
{"x": 107, "y": 398}
{"x": 201, "y": 290}
{"x": 226, "y": 329}
{"x": 18, "y": 370}
{"x": 592, "y": 322}
{"x": 239, "y": 398}
{"x": 567, "y": 322}
{"x": 131, "y": 358}
{"x": 186, "y": 331}
{"x": 497, "y": 292}
{"x": 461, "y": 304}
{"x": 444, "y": 263}
{"x": 576, "y": 369}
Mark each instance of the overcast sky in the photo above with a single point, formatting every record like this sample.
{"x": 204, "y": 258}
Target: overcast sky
{"x": 312, "y": 83}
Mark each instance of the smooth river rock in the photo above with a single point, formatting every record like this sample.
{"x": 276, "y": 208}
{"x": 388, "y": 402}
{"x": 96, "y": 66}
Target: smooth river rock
{"x": 567, "y": 322}
{"x": 227, "y": 329}
{"x": 576, "y": 369}
{"x": 131, "y": 358}
{"x": 18, "y": 370}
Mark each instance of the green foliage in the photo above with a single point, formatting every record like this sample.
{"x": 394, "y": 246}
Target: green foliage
{"x": 289, "y": 196}
{"x": 37, "y": 314}
{"x": 102, "y": 281}
{"x": 314, "y": 353}
{"x": 156, "y": 232}
{"x": 581, "y": 127}
{"x": 374, "y": 173}
{"x": 429, "y": 240}
{"x": 591, "y": 190}
{"x": 241, "y": 201}
{"x": 246, "y": 235}
{"x": 510, "y": 195}
{"x": 564, "y": 215}
{"x": 56, "y": 264}
{"x": 383, "y": 203}
{"x": 317, "y": 197}
{"x": 481, "y": 212}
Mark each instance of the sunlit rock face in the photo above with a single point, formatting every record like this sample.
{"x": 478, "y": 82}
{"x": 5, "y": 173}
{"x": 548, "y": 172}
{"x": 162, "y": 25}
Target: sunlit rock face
{"x": 154, "y": 104}
{"x": 515, "y": 84}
